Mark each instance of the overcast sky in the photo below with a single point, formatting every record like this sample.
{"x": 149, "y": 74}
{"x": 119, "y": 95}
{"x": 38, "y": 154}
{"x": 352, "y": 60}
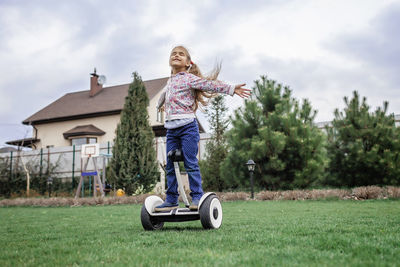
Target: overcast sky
{"x": 323, "y": 50}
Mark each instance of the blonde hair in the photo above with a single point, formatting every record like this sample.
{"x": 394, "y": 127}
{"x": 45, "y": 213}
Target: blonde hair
{"x": 201, "y": 97}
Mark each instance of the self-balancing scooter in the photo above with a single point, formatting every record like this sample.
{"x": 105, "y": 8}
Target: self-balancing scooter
{"x": 209, "y": 211}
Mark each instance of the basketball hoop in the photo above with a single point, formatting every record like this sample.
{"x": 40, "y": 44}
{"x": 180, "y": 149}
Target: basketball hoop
{"x": 90, "y": 150}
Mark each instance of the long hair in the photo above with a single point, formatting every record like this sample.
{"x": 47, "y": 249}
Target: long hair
{"x": 201, "y": 97}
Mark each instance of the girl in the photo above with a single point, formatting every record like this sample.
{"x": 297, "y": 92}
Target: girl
{"x": 184, "y": 91}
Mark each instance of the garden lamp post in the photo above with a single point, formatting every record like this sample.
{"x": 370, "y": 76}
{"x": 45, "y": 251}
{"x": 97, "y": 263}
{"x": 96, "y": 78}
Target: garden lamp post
{"x": 251, "y": 166}
{"x": 50, "y": 184}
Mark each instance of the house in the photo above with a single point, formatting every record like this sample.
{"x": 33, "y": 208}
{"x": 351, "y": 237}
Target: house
{"x": 89, "y": 116}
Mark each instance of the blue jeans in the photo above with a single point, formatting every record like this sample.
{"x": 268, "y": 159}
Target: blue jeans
{"x": 185, "y": 138}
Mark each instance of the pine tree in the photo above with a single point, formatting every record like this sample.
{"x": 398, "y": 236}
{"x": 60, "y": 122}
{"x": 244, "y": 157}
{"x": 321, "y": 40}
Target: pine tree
{"x": 364, "y": 146}
{"x": 279, "y": 135}
{"x": 216, "y": 148}
{"x": 133, "y": 165}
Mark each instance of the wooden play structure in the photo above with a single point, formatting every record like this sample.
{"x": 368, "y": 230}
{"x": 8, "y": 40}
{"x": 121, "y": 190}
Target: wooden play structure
{"x": 90, "y": 152}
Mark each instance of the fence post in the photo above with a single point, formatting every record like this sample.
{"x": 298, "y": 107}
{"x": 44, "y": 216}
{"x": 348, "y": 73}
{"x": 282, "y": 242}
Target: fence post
{"x": 73, "y": 167}
{"x": 11, "y": 160}
{"x": 105, "y": 168}
{"x": 40, "y": 169}
{"x": 48, "y": 165}
{"x": 48, "y": 160}
{"x": 9, "y": 186}
{"x": 83, "y": 187}
{"x": 90, "y": 185}
{"x": 10, "y": 177}
{"x": 83, "y": 181}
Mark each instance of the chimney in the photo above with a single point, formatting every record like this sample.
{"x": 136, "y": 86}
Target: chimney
{"x": 95, "y": 87}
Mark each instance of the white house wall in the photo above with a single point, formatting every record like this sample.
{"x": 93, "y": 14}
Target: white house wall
{"x": 152, "y": 110}
{"x": 51, "y": 134}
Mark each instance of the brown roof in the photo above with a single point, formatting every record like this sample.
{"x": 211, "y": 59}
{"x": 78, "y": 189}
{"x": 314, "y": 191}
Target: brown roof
{"x": 110, "y": 100}
{"x": 84, "y": 130}
{"x": 26, "y": 142}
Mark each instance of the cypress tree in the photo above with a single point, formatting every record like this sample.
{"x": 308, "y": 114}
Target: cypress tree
{"x": 134, "y": 165}
{"x": 364, "y": 146}
{"x": 279, "y": 135}
{"x": 216, "y": 148}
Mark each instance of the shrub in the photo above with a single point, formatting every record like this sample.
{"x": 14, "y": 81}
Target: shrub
{"x": 329, "y": 193}
{"x": 268, "y": 195}
{"x": 14, "y": 183}
{"x": 134, "y": 164}
{"x": 232, "y": 196}
{"x": 364, "y": 146}
{"x": 368, "y": 192}
{"x": 393, "y": 192}
{"x": 278, "y": 133}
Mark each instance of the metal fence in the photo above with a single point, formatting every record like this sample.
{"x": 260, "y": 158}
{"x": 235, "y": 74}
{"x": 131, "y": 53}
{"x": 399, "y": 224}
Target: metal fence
{"x": 67, "y": 160}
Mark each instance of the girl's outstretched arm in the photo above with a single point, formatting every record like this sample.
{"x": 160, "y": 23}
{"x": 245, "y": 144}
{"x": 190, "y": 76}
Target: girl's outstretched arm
{"x": 209, "y": 85}
{"x": 218, "y": 86}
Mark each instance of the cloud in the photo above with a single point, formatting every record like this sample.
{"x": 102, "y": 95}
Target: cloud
{"x": 377, "y": 46}
{"x": 48, "y": 48}
{"x": 376, "y": 50}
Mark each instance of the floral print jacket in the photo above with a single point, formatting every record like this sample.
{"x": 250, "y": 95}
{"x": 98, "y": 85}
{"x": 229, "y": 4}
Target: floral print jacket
{"x": 179, "y": 95}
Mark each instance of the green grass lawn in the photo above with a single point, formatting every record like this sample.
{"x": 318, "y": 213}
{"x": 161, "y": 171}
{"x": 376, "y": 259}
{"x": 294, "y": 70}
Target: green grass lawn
{"x": 253, "y": 233}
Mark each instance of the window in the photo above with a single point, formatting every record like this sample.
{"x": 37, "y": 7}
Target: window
{"x": 160, "y": 116}
{"x": 83, "y": 140}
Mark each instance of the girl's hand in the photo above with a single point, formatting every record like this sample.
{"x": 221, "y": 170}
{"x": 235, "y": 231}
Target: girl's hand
{"x": 242, "y": 92}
